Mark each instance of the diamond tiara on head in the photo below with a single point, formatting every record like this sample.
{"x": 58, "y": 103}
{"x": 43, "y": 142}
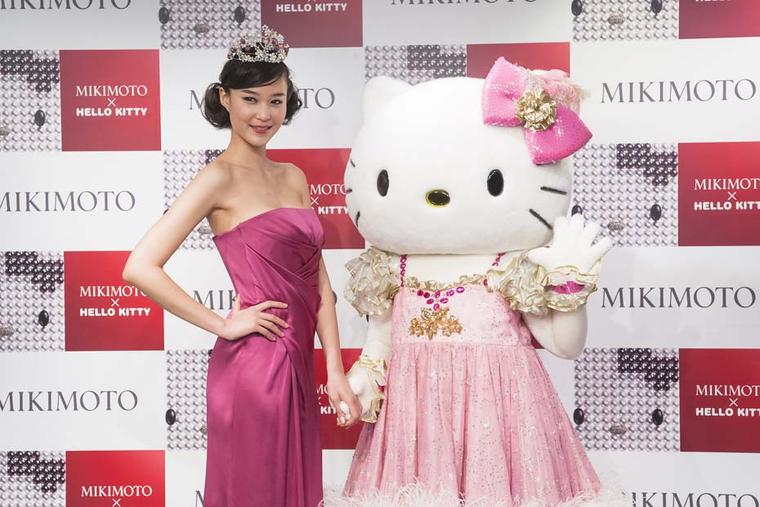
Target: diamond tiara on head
{"x": 266, "y": 45}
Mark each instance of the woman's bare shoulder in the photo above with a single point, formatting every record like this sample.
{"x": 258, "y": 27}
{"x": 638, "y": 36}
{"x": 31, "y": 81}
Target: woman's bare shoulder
{"x": 296, "y": 180}
{"x": 215, "y": 175}
{"x": 293, "y": 172}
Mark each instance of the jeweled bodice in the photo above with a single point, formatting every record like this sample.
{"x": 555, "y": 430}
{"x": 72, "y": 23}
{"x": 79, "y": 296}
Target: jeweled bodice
{"x": 464, "y": 311}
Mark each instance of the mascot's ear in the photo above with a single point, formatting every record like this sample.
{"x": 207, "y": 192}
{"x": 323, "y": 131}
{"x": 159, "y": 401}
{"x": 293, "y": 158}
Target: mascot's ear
{"x": 379, "y": 91}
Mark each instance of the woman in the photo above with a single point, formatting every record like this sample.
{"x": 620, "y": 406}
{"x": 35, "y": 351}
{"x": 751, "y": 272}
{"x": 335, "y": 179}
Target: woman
{"x": 263, "y": 414}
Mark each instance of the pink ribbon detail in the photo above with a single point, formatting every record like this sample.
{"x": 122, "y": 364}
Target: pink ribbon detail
{"x": 505, "y": 85}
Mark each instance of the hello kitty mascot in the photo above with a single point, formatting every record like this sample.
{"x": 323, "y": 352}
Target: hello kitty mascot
{"x": 459, "y": 185}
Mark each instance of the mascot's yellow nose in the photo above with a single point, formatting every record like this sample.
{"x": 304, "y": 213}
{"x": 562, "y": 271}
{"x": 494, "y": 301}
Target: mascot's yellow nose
{"x": 437, "y": 198}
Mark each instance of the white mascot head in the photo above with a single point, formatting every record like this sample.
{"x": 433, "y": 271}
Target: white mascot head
{"x": 464, "y": 165}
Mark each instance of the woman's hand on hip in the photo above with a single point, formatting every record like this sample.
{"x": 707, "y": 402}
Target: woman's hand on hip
{"x": 254, "y": 319}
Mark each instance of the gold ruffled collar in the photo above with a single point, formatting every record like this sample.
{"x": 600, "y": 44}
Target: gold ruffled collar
{"x": 413, "y": 283}
{"x": 475, "y": 279}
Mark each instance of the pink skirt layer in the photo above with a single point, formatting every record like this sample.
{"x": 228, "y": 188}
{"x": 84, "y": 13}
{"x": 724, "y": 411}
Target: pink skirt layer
{"x": 479, "y": 420}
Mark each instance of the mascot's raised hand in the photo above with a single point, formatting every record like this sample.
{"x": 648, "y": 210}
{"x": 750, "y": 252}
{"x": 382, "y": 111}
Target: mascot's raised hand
{"x": 572, "y": 246}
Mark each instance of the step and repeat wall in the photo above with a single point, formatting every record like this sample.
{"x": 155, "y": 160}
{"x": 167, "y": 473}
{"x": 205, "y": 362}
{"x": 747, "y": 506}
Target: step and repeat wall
{"x": 102, "y": 393}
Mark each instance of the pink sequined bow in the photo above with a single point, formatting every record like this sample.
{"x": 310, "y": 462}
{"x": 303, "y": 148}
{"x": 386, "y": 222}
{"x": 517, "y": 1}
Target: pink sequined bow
{"x": 507, "y": 85}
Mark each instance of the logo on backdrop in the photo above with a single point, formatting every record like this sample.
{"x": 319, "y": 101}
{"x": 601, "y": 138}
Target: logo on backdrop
{"x": 314, "y": 23}
{"x": 312, "y": 98}
{"x": 324, "y": 170}
{"x": 83, "y": 201}
{"x": 102, "y": 312}
{"x": 61, "y": 5}
{"x": 718, "y": 194}
{"x": 701, "y": 297}
{"x": 697, "y": 400}
{"x": 110, "y": 100}
{"x": 736, "y": 89}
{"x": 718, "y": 18}
{"x": 720, "y": 400}
{"x": 694, "y": 499}
{"x": 333, "y": 436}
{"x": 115, "y": 478}
{"x": 317, "y": 98}
{"x": 215, "y": 299}
{"x": 89, "y": 400}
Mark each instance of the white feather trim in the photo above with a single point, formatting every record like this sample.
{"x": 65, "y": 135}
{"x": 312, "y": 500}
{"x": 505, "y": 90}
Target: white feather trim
{"x": 415, "y": 495}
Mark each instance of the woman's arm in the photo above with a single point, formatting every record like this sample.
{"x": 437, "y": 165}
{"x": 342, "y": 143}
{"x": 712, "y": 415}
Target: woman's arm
{"x": 327, "y": 329}
{"x": 327, "y": 323}
{"x": 338, "y": 388}
{"x": 145, "y": 266}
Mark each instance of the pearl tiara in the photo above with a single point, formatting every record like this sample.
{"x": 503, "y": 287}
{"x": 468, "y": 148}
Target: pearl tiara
{"x": 265, "y": 45}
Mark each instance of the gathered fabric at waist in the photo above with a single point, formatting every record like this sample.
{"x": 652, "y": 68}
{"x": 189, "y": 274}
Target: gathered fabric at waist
{"x": 465, "y": 339}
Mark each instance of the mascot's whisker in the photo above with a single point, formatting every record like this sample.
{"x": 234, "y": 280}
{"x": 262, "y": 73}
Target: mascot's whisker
{"x": 540, "y": 218}
{"x": 554, "y": 190}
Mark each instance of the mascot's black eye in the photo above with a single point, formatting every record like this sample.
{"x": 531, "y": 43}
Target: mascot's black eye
{"x": 495, "y": 182}
{"x": 382, "y": 183}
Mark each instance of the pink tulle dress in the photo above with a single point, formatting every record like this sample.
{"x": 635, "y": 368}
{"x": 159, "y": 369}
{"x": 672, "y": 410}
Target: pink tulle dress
{"x": 469, "y": 408}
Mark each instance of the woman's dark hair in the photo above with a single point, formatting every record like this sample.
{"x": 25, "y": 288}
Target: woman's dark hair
{"x": 236, "y": 75}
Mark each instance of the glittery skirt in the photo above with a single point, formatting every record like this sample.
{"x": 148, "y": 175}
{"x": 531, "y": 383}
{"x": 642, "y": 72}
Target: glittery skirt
{"x": 480, "y": 420}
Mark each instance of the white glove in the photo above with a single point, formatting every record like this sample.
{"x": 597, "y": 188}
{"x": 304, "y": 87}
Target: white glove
{"x": 367, "y": 375}
{"x": 572, "y": 245}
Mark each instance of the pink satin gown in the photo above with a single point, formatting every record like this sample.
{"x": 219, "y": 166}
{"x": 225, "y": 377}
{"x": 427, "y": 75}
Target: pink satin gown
{"x": 263, "y": 413}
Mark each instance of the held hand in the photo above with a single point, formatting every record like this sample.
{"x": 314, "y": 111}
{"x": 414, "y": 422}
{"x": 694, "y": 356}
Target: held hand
{"x": 360, "y": 385}
{"x": 572, "y": 245}
{"x": 343, "y": 400}
{"x": 254, "y": 319}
